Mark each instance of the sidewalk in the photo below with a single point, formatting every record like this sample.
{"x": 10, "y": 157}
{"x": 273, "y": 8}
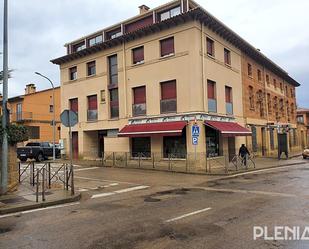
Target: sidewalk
{"x": 25, "y": 199}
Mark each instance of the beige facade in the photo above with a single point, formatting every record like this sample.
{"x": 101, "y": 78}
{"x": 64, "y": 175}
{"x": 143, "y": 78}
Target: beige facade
{"x": 190, "y": 66}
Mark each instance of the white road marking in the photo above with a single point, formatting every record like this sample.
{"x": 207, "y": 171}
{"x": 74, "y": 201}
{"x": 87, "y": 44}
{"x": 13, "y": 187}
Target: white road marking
{"x": 99, "y": 187}
{"x": 76, "y": 170}
{"x": 119, "y": 191}
{"x": 39, "y": 209}
{"x": 188, "y": 214}
{"x": 101, "y": 180}
{"x": 243, "y": 191}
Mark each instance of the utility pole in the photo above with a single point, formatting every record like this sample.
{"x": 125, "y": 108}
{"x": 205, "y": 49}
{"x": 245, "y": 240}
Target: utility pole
{"x": 4, "y": 169}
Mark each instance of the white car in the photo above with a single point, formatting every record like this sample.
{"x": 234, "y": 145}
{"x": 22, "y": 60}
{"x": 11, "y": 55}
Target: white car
{"x": 306, "y": 153}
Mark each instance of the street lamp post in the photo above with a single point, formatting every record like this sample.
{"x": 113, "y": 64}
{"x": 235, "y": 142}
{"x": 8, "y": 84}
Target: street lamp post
{"x": 54, "y": 115}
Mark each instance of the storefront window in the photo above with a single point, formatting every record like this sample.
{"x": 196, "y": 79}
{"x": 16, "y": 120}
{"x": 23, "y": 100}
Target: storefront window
{"x": 175, "y": 147}
{"x": 212, "y": 142}
{"x": 141, "y": 147}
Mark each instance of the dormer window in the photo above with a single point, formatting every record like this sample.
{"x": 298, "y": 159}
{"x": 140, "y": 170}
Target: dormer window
{"x": 169, "y": 13}
{"x": 95, "y": 40}
{"x": 79, "y": 46}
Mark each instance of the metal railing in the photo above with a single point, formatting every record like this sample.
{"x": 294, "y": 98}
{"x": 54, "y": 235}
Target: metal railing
{"x": 168, "y": 105}
{"x": 92, "y": 115}
{"x": 21, "y": 116}
{"x": 42, "y": 177}
{"x": 139, "y": 109}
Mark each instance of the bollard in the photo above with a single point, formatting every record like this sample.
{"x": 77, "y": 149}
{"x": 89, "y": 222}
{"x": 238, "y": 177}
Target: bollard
{"x": 43, "y": 184}
{"x": 37, "y": 186}
{"x": 66, "y": 177}
{"x": 49, "y": 175}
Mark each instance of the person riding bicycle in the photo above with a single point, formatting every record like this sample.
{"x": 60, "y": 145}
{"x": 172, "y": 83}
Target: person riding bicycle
{"x": 244, "y": 153}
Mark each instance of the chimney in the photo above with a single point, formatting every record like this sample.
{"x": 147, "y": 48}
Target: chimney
{"x": 30, "y": 88}
{"x": 143, "y": 9}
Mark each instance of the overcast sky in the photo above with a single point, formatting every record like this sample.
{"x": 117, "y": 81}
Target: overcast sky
{"x": 38, "y": 29}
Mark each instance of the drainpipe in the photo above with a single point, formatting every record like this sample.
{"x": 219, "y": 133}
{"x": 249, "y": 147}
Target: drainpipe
{"x": 203, "y": 69}
{"x": 124, "y": 79}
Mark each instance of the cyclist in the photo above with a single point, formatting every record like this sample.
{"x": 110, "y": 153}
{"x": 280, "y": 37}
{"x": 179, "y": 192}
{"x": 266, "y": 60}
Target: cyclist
{"x": 244, "y": 153}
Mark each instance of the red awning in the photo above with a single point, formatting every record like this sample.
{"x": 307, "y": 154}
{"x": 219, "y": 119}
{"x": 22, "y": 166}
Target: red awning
{"x": 229, "y": 129}
{"x": 153, "y": 129}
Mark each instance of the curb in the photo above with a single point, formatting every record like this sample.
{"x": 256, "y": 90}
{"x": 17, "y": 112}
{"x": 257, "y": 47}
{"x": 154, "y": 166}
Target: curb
{"x": 23, "y": 207}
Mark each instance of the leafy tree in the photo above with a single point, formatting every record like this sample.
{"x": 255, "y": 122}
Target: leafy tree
{"x": 16, "y": 133}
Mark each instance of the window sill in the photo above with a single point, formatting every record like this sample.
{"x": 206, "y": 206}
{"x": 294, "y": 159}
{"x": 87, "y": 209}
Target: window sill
{"x": 89, "y": 76}
{"x": 92, "y": 121}
{"x": 228, "y": 65}
{"x": 250, "y": 76}
{"x": 167, "y": 56}
{"x": 211, "y": 56}
{"x": 72, "y": 80}
{"x": 138, "y": 63}
{"x": 113, "y": 119}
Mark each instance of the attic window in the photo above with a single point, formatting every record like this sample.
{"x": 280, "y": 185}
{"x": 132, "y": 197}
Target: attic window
{"x": 169, "y": 13}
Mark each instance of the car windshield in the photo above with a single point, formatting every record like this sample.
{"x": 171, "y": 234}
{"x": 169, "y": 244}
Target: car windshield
{"x": 33, "y": 144}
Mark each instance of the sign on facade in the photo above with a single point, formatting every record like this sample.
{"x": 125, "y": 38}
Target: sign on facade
{"x": 195, "y": 131}
{"x": 194, "y": 140}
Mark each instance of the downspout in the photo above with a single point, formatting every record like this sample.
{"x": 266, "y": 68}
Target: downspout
{"x": 124, "y": 79}
{"x": 203, "y": 68}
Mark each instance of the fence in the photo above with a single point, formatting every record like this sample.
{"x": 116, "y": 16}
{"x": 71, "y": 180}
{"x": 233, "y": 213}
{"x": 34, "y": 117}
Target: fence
{"x": 39, "y": 177}
{"x": 188, "y": 163}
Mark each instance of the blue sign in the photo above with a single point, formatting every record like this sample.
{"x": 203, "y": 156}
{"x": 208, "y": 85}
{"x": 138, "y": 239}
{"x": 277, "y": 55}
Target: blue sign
{"x": 194, "y": 140}
{"x": 195, "y": 131}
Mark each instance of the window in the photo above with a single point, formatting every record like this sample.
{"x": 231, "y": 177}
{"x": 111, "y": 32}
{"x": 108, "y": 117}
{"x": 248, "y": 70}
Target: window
{"x": 103, "y": 99}
{"x": 269, "y": 106}
{"x": 286, "y": 91}
{"x": 300, "y": 119}
{"x": 281, "y": 87}
{"x": 168, "y": 97}
{"x": 79, "y": 46}
{"x": 169, "y": 13}
{"x": 254, "y": 139}
{"x": 114, "y": 103}
{"x": 91, "y": 68}
{"x": 251, "y": 98}
{"x": 211, "y": 95}
{"x": 95, "y": 40}
{"x": 113, "y": 69}
{"x": 275, "y": 84}
{"x": 73, "y": 73}
{"x": 167, "y": 46}
{"x": 138, "y": 55}
{"x": 19, "y": 112}
{"x": 73, "y": 104}
{"x": 259, "y": 74}
{"x": 51, "y": 108}
{"x": 139, "y": 101}
{"x": 92, "y": 113}
{"x": 34, "y": 132}
{"x": 210, "y": 47}
{"x": 141, "y": 147}
{"x": 228, "y": 100}
{"x": 113, "y": 33}
{"x": 175, "y": 146}
{"x": 249, "y": 69}
{"x": 267, "y": 80}
{"x": 227, "y": 56}
{"x": 292, "y": 93}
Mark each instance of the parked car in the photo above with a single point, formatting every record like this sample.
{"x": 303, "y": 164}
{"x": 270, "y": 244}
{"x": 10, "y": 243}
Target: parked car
{"x": 37, "y": 151}
{"x": 306, "y": 153}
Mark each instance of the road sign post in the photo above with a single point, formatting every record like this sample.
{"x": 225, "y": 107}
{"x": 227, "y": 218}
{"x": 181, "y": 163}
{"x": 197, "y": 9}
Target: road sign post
{"x": 68, "y": 119}
{"x": 195, "y": 132}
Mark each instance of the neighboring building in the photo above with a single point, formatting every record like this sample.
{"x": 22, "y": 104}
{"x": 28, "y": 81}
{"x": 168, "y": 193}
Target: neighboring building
{"x": 269, "y": 106}
{"x": 140, "y": 85}
{"x": 34, "y": 110}
{"x": 303, "y": 123}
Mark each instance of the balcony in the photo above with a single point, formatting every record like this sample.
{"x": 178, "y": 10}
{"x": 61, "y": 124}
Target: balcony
{"x": 212, "y": 105}
{"x": 21, "y": 116}
{"x": 92, "y": 115}
{"x": 168, "y": 105}
{"x": 229, "y": 108}
{"x": 139, "y": 109}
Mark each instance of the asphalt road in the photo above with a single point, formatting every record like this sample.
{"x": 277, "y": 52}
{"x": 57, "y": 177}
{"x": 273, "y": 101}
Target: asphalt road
{"x": 123, "y": 208}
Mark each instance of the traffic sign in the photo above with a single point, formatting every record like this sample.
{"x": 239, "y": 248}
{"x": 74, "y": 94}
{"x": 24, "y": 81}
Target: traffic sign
{"x": 194, "y": 140}
{"x": 195, "y": 131}
{"x": 69, "y": 118}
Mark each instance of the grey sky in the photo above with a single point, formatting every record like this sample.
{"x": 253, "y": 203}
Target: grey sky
{"x": 39, "y": 28}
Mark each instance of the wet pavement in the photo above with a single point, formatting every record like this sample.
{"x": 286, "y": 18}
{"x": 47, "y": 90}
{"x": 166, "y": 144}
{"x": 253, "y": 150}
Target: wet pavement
{"x": 126, "y": 208}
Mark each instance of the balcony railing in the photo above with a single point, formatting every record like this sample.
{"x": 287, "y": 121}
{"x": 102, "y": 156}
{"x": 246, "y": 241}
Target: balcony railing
{"x": 21, "y": 116}
{"x": 212, "y": 105}
{"x": 92, "y": 115}
{"x": 168, "y": 105}
{"x": 139, "y": 109}
{"x": 229, "y": 108}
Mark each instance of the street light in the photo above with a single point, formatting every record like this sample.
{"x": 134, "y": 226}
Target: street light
{"x": 54, "y": 125}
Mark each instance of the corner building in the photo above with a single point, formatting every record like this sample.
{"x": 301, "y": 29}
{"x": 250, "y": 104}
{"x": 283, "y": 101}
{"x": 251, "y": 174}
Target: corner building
{"x": 140, "y": 85}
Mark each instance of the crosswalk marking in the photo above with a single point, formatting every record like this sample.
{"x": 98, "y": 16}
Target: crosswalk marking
{"x": 119, "y": 191}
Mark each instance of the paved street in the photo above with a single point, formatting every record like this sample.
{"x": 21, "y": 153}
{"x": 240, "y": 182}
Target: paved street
{"x": 126, "y": 208}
